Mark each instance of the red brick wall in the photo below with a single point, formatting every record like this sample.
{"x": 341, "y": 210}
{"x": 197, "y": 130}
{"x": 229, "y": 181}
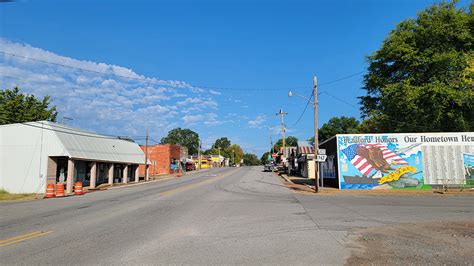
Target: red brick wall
{"x": 162, "y": 154}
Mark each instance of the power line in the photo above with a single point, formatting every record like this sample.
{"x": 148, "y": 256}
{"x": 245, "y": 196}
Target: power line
{"x": 304, "y": 110}
{"x": 352, "y": 105}
{"x": 91, "y": 135}
{"x": 145, "y": 80}
{"x": 185, "y": 85}
{"x": 342, "y": 78}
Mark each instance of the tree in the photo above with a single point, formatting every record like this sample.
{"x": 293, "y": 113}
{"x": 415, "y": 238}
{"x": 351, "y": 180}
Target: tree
{"x": 16, "y": 107}
{"x": 184, "y": 137}
{"x": 264, "y": 159}
{"x": 289, "y": 142}
{"x": 251, "y": 159}
{"x": 421, "y": 79}
{"x": 236, "y": 153}
{"x": 337, "y": 125}
{"x": 222, "y": 143}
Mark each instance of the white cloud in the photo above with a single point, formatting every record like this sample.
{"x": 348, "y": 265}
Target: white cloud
{"x": 119, "y": 102}
{"x": 210, "y": 119}
{"x": 198, "y": 102}
{"x": 258, "y": 121}
{"x": 215, "y": 92}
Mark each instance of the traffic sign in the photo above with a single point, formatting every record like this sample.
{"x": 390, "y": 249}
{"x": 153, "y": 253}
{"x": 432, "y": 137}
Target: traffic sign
{"x": 274, "y": 155}
{"x": 322, "y": 151}
{"x": 321, "y": 158}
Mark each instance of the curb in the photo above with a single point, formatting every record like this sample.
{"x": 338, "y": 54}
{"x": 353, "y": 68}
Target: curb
{"x": 157, "y": 180}
{"x": 286, "y": 178}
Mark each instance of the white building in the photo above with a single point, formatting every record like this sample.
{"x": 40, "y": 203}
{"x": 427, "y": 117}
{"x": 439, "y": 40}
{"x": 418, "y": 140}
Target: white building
{"x": 38, "y": 153}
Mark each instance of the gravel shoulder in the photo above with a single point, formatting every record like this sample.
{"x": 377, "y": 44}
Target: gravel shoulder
{"x": 439, "y": 243}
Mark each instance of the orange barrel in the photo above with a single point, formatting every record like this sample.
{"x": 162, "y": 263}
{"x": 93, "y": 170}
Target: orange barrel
{"x": 78, "y": 188}
{"x": 50, "y": 191}
{"x": 60, "y": 189}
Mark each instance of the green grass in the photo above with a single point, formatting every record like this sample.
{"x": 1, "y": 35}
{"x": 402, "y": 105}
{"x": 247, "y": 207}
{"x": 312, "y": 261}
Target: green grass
{"x": 4, "y": 195}
{"x": 423, "y": 187}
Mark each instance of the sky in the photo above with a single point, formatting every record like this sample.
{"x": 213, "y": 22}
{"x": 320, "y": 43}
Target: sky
{"x": 220, "y": 68}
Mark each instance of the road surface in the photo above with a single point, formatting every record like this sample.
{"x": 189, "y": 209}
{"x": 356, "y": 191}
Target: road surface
{"x": 221, "y": 216}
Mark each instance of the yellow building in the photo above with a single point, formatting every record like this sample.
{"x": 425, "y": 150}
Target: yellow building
{"x": 206, "y": 162}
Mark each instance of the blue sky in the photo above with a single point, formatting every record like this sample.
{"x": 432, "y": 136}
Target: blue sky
{"x": 221, "y": 68}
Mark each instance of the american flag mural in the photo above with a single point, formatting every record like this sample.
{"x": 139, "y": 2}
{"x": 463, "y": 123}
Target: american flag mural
{"x": 363, "y": 165}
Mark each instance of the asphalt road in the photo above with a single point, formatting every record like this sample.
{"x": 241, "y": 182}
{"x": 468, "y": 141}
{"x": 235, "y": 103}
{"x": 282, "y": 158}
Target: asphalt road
{"x": 222, "y": 216}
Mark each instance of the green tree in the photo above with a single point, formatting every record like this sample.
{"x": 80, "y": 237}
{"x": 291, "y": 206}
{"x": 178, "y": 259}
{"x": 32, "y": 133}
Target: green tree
{"x": 290, "y": 141}
{"x": 251, "y": 159}
{"x": 421, "y": 79}
{"x": 222, "y": 143}
{"x": 184, "y": 137}
{"x": 16, "y": 107}
{"x": 236, "y": 153}
{"x": 337, "y": 125}
{"x": 221, "y": 146}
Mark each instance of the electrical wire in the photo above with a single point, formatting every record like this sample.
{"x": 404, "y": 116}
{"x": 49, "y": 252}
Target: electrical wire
{"x": 185, "y": 85}
{"x": 304, "y": 110}
{"x": 341, "y": 79}
{"x": 354, "y": 106}
{"x": 91, "y": 135}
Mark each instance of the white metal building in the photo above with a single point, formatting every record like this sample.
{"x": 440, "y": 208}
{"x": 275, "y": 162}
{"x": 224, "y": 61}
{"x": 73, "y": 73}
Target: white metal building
{"x": 37, "y": 153}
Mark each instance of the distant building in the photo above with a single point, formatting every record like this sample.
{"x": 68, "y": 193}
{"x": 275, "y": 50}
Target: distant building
{"x": 35, "y": 154}
{"x": 164, "y": 159}
{"x": 206, "y": 161}
{"x": 305, "y": 159}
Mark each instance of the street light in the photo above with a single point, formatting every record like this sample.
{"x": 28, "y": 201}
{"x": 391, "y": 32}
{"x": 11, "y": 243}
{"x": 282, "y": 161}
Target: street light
{"x": 316, "y": 144}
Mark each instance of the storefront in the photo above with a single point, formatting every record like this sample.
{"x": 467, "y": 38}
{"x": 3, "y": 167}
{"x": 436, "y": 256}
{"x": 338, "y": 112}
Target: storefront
{"x": 40, "y": 153}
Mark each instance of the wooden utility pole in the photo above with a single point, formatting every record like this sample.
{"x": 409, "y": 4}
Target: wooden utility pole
{"x": 199, "y": 155}
{"x": 282, "y": 114}
{"x": 271, "y": 141}
{"x": 316, "y": 142}
{"x": 146, "y": 156}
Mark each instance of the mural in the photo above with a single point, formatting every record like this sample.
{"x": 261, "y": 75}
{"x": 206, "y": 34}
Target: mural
{"x": 402, "y": 161}
{"x": 469, "y": 168}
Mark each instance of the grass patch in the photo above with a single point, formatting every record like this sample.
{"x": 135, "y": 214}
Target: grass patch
{"x": 4, "y": 195}
{"x": 423, "y": 187}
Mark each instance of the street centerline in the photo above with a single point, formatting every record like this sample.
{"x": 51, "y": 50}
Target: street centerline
{"x": 195, "y": 185}
{"x": 20, "y": 238}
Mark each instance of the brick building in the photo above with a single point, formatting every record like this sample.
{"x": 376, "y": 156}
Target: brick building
{"x": 162, "y": 158}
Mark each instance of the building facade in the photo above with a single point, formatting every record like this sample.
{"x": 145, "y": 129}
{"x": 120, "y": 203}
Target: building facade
{"x": 164, "y": 159}
{"x": 35, "y": 154}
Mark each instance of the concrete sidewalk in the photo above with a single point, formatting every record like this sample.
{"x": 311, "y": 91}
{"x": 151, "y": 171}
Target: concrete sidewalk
{"x": 152, "y": 180}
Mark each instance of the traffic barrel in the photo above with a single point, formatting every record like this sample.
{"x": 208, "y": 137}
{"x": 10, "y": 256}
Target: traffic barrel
{"x": 78, "y": 188}
{"x": 50, "y": 191}
{"x": 60, "y": 190}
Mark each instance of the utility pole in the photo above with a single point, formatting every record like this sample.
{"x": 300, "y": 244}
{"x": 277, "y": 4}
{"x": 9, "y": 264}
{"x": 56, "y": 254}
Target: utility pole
{"x": 146, "y": 156}
{"x": 199, "y": 154}
{"x": 282, "y": 114}
{"x": 316, "y": 142}
{"x": 271, "y": 141}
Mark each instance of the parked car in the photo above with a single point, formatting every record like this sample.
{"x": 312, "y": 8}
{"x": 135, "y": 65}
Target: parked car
{"x": 190, "y": 167}
{"x": 268, "y": 167}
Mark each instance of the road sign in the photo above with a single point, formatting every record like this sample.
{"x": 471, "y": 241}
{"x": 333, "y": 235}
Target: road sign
{"x": 321, "y": 158}
{"x": 322, "y": 151}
